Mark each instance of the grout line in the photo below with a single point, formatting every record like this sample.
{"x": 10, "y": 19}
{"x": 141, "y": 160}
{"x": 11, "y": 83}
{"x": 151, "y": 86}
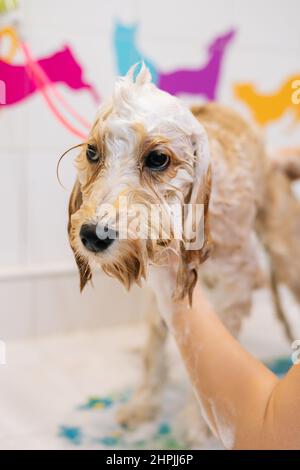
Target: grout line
{"x": 33, "y": 272}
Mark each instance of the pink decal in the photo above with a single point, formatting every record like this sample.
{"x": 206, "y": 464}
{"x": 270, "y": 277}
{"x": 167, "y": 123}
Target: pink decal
{"x": 61, "y": 67}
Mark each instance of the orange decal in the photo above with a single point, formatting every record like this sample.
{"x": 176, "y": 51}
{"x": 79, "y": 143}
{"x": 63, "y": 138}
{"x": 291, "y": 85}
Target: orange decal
{"x": 269, "y": 107}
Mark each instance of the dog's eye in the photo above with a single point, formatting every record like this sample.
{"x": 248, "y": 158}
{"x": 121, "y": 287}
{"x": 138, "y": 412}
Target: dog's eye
{"x": 157, "y": 161}
{"x": 92, "y": 154}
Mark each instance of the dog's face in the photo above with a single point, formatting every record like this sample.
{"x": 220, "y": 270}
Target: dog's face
{"x": 146, "y": 150}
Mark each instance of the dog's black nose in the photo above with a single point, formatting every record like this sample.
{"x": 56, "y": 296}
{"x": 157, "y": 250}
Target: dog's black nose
{"x": 96, "y": 238}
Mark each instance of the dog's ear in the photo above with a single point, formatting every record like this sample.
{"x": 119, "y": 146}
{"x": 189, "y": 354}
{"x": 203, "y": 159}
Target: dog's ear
{"x": 75, "y": 202}
{"x": 196, "y": 244}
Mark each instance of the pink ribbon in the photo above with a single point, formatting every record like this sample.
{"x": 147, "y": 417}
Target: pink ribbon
{"x": 42, "y": 82}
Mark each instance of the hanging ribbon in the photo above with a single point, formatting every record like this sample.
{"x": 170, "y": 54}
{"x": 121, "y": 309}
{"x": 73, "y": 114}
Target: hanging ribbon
{"x": 42, "y": 82}
{"x": 14, "y": 43}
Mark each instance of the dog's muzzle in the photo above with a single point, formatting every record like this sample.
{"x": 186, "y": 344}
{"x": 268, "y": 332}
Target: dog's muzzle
{"x": 97, "y": 239}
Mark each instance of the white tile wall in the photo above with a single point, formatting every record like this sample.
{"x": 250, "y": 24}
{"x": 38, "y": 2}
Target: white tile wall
{"x": 12, "y": 192}
{"x": 47, "y": 304}
{"x": 33, "y": 206}
{"x": 16, "y": 313}
{"x": 47, "y": 216}
{"x": 59, "y": 306}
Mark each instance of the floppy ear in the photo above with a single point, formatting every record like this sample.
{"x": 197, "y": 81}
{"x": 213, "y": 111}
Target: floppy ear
{"x": 193, "y": 253}
{"x": 83, "y": 266}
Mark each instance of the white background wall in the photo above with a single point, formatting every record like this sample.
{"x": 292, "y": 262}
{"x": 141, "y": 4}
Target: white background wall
{"x": 38, "y": 281}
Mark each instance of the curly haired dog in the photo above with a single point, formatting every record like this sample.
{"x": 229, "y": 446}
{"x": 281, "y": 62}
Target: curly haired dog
{"x": 148, "y": 146}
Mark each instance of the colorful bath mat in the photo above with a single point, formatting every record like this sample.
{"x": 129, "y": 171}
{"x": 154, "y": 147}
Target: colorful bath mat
{"x": 93, "y": 423}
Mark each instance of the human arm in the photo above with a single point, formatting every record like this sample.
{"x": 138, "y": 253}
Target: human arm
{"x": 244, "y": 403}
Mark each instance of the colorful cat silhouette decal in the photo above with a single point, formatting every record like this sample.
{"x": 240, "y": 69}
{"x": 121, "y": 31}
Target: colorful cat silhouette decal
{"x": 60, "y": 67}
{"x": 200, "y": 81}
{"x": 127, "y": 52}
{"x": 269, "y": 107}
